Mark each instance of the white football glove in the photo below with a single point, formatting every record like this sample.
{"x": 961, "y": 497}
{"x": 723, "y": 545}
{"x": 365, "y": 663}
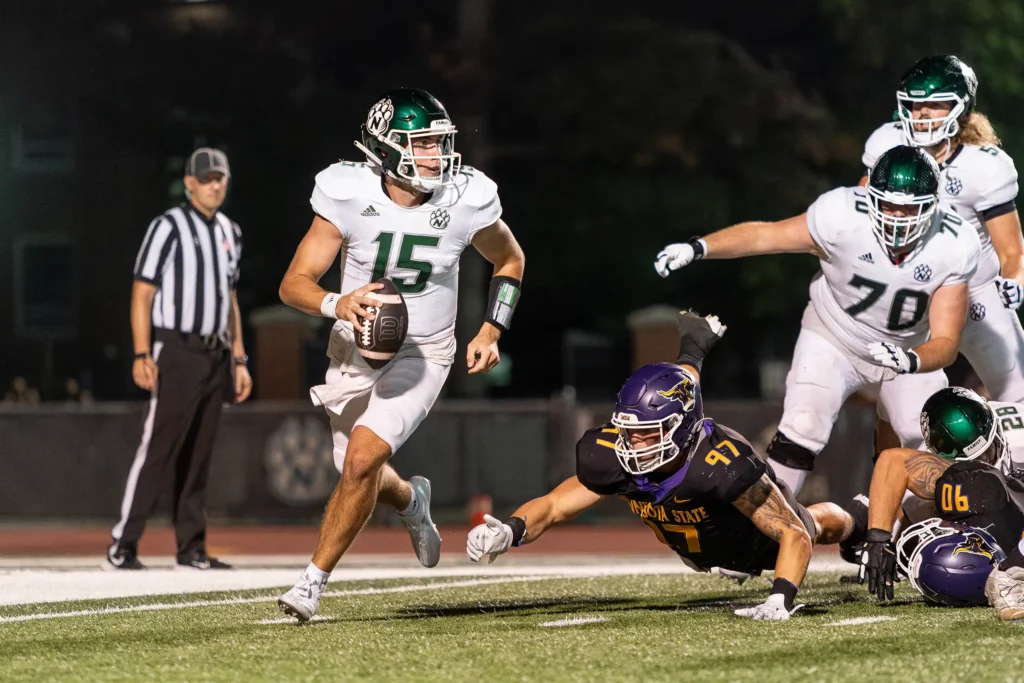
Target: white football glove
{"x": 888, "y": 355}
{"x": 772, "y": 609}
{"x": 1010, "y": 292}
{"x": 676, "y": 256}
{"x": 492, "y": 539}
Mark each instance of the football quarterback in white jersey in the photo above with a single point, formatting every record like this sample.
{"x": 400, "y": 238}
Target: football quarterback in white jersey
{"x": 887, "y": 309}
{"x": 407, "y": 214}
{"x": 936, "y": 107}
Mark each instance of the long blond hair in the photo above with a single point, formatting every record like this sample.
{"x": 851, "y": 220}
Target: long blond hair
{"x": 977, "y": 130}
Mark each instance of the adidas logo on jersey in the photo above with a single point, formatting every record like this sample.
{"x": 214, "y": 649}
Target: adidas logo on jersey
{"x": 369, "y": 211}
{"x": 867, "y": 258}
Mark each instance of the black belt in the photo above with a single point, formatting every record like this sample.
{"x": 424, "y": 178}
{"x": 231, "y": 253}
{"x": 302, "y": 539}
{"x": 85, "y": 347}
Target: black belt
{"x": 191, "y": 340}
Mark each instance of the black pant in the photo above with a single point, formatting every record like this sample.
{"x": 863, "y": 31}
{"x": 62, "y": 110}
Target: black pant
{"x": 177, "y": 440}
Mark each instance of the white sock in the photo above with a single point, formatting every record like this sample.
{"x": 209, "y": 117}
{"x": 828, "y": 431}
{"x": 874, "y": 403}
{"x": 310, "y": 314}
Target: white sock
{"x": 314, "y": 572}
{"x": 413, "y": 508}
{"x": 793, "y": 477}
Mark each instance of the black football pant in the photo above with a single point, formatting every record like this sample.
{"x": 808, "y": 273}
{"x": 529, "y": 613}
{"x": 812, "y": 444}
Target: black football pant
{"x": 177, "y": 440}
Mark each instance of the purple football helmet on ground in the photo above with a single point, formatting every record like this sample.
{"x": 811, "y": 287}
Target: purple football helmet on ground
{"x": 948, "y": 562}
{"x": 660, "y": 400}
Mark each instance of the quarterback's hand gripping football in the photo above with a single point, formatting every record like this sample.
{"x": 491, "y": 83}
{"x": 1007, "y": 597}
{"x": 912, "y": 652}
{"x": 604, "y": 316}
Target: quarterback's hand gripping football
{"x": 351, "y": 307}
{"x": 1010, "y": 292}
{"x": 492, "y": 538}
{"x": 772, "y": 609}
{"x": 878, "y": 564}
{"x": 888, "y": 355}
{"x": 676, "y": 256}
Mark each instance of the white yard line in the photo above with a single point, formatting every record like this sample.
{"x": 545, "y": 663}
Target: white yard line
{"x": 572, "y": 621}
{"x": 24, "y": 587}
{"x": 861, "y": 620}
{"x": 161, "y": 606}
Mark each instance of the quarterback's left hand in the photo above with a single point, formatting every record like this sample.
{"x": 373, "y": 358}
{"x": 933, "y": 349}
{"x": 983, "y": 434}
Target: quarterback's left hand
{"x": 772, "y": 609}
{"x": 888, "y": 355}
{"x": 482, "y": 353}
{"x": 1010, "y": 292}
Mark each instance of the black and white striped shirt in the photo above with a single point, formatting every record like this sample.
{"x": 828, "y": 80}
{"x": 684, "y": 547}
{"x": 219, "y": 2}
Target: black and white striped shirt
{"x": 194, "y": 263}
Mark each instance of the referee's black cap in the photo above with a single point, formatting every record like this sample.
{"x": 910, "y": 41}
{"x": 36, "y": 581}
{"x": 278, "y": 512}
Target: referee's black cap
{"x": 206, "y": 160}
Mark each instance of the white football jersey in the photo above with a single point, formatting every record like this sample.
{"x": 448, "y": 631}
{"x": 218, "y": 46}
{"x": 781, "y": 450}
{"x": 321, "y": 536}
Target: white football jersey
{"x": 418, "y": 247}
{"x": 978, "y": 182}
{"x": 860, "y": 295}
{"x": 1011, "y": 418}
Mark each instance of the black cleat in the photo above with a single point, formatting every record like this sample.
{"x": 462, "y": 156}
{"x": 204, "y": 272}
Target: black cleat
{"x": 200, "y": 560}
{"x": 122, "y": 558}
{"x": 850, "y": 549}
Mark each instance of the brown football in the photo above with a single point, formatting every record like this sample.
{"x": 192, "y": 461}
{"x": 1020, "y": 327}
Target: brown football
{"x": 382, "y": 337}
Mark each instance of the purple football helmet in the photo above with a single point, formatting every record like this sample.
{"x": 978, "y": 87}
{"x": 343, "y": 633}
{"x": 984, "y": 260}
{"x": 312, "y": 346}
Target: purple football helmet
{"x": 661, "y": 399}
{"x": 948, "y": 562}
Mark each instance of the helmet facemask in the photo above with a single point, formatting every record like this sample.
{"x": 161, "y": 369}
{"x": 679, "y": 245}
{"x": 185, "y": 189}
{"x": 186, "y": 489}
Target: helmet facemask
{"x": 940, "y": 129}
{"x": 898, "y": 235}
{"x": 404, "y": 144}
{"x": 912, "y": 542}
{"x": 994, "y": 450}
{"x": 645, "y": 458}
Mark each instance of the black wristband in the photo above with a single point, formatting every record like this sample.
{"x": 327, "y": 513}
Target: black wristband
{"x": 915, "y": 360}
{"x": 878, "y": 536}
{"x": 242, "y": 360}
{"x": 699, "y": 250}
{"x": 786, "y": 589}
{"x": 144, "y": 354}
{"x": 518, "y": 526}
{"x": 502, "y": 297}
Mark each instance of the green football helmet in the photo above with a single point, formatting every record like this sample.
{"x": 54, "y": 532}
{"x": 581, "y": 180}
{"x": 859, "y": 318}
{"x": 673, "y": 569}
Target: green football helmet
{"x": 401, "y": 120}
{"x": 940, "y": 78}
{"x": 907, "y": 177}
{"x": 958, "y": 424}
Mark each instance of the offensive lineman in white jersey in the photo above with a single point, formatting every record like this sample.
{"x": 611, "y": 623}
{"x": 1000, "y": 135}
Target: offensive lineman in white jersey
{"x": 936, "y": 101}
{"x": 887, "y": 309}
{"x": 407, "y": 214}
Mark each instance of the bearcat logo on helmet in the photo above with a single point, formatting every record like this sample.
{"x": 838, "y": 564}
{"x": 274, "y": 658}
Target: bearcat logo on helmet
{"x": 975, "y": 545}
{"x": 682, "y": 392}
{"x": 379, "y": 117}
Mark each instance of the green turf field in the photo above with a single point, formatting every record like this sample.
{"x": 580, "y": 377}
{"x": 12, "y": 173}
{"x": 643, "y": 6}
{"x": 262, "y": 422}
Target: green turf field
{"x": 654, "y": 628}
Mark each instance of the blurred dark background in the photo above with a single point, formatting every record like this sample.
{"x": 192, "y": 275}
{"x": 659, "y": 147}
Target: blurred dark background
{"x": 611, "y": 129}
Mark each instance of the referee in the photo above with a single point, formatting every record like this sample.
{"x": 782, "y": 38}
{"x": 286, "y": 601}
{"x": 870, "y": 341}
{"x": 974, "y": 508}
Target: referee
{"x": 187, "y": 333}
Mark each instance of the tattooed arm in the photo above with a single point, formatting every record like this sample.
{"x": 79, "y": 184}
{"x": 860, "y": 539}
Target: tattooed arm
{"x": 767, "y": 508}
{"x": 897, "y": 471}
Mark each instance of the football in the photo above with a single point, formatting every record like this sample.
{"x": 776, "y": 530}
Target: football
{"x": 382, "y": 337}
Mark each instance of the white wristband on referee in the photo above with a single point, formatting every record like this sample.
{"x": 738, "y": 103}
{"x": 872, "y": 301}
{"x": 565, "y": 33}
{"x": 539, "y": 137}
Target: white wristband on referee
{"x": 329, "y": 306}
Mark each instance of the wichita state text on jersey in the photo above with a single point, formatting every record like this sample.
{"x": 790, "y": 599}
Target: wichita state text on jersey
{"x": 417, "y": 247}
{"x": 690, "y": 510}
{"x": 980, "y": 182}
{"x": 860, "y": 295}
{"x": 979, "y": 495}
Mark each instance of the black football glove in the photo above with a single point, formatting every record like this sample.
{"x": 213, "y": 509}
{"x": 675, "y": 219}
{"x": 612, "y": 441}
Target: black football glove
{"x": 697, "y": 336}
{"x": 878, "y": 563}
